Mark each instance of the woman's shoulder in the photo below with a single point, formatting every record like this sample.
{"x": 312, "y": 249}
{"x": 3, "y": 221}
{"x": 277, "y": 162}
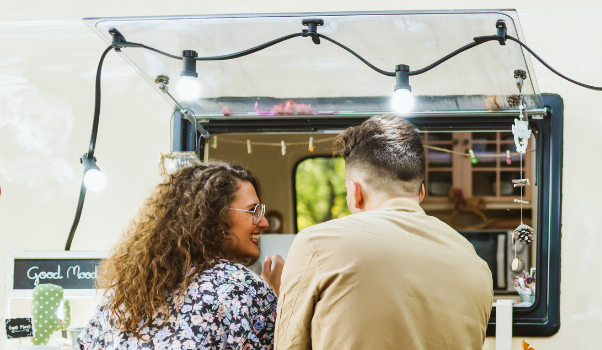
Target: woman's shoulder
{"x": 229, "y": 272}
{"x": 230, "y": 279}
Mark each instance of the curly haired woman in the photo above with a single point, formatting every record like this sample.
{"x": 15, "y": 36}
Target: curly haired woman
{"x": 176, "y": 279}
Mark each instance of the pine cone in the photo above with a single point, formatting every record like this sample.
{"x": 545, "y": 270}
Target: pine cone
{"x": 513, "y": 100}
{"x": 524, "y": 234}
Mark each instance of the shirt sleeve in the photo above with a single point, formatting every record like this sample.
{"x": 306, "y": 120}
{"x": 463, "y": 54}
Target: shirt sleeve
{"x": 299, "y": 292}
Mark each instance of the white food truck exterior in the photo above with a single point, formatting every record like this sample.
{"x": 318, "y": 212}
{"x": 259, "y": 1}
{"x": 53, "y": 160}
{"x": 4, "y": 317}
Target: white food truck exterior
{"x": 48, "y": 61}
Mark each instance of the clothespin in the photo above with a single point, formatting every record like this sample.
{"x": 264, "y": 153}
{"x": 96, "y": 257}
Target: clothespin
{"x": 473, "y": 158}
{"x": 283, "y": 147}
{"x": 214, "y": 141}
{"x": 249, "y": 150}
{"x": 311, "y": 144}
{"x": 508, "y": 159}
{"x": 521, "y": 182}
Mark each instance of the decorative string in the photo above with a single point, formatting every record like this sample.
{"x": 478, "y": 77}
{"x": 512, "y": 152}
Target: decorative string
{"x": 301, "y": 143}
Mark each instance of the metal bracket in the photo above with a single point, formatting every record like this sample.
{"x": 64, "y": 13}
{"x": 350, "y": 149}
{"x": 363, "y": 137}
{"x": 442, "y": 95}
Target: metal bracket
{"x": 520, "y": 76}
{"x": 162, "y": 81}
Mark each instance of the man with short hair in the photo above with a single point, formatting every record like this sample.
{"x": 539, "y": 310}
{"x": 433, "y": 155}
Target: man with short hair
{"x": 389, "y": 276}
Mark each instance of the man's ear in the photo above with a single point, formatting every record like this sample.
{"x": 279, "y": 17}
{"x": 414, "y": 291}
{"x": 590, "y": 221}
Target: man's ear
{"x": 422, "y": 193}
{"x": 358, "y": 197}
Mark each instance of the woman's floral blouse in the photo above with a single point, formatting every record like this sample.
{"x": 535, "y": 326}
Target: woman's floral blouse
{"x": 226, "y": 307}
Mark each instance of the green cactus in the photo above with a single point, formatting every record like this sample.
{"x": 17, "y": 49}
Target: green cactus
{"x": 44, "y": 310}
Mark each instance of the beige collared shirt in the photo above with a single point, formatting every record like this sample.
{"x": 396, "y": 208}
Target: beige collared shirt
{"x": 392, "y": 278}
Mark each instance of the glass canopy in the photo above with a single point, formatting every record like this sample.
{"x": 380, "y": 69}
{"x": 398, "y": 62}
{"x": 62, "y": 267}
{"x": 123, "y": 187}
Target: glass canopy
{"x": 299, "y": 77}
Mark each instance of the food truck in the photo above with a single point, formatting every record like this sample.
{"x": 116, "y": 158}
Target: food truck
{"x": 275, "y": 94}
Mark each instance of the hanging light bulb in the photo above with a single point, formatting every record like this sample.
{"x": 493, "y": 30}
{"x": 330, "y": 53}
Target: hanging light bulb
{"x": 94, "y": 179}
{"x": 402, "y": 100}
{"x": 188, "y": 86}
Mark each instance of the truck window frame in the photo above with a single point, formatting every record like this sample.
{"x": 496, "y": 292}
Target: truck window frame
{"x": 543, "y": 318}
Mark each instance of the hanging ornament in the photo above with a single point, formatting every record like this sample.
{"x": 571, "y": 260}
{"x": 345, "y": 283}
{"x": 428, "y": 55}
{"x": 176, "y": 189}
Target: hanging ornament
{"x": 214, "y": 141}
{"x": 513, "y": 100}
{"x": 521, "y": 131}
{"x": 508, "y": 158}
{"x": 473, "y": 158}
{"x": 311, "y": 144}
{"x": 283, "y": 147}
{"x": 524, "y": 233}
{"x": 516, "y": 264}
{"x": 249, "y": 150}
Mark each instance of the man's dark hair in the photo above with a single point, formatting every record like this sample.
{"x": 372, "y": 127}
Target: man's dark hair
{"x": 387, "y": 150}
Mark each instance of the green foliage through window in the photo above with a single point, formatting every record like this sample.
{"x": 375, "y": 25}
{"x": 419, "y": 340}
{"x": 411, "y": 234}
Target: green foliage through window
{"x": 320, "y": 191}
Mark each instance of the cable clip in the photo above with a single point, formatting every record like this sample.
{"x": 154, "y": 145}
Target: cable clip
{"x": 500, "y": 36}
{"x": 312, "y": 28}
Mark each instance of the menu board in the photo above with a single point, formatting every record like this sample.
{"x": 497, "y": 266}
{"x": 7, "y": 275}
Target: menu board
{"x": 67, "y": 273}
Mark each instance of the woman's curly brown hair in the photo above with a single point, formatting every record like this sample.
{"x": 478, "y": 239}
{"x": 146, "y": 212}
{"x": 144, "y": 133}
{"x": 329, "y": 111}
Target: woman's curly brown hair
{"x": 182, "y": 226}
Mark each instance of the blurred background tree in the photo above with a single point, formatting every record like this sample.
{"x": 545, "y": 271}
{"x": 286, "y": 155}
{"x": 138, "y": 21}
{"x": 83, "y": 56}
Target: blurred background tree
{"x": 320, "y": 189}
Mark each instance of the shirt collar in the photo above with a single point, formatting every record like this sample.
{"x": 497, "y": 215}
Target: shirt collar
{"x": 400, "y": 203}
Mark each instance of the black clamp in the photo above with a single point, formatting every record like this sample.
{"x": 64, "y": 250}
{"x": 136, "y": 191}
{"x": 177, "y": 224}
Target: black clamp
{"x": 312, "y": 28}
{"x": 119, "y": 40}
{"x": 500, "y": 36}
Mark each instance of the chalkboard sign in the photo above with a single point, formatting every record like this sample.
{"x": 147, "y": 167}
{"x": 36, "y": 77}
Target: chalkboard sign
{"x": 21, "y": 327}
{"x": 67, "y": 273}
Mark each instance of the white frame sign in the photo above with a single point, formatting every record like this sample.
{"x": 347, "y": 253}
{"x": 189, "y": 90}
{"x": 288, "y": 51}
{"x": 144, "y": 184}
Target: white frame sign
{"x": 46, "y": 266}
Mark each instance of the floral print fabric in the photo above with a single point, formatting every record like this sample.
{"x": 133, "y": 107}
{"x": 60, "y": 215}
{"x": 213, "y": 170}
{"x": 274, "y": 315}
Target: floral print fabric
{"x": 226, "y": 307}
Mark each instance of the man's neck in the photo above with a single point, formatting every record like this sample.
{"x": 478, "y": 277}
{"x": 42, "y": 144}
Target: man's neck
{"x": 374, "y": 202}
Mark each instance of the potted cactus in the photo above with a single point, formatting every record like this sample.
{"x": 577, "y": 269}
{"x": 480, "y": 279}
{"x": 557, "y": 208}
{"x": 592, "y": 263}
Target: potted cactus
{"x": 45, "y": 306}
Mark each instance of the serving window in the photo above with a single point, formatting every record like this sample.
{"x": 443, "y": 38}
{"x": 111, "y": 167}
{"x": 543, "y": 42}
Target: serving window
{"x": 314, "y": 190}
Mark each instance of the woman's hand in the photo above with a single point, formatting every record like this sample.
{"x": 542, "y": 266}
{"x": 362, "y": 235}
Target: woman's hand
{"x": 272, "y": 276}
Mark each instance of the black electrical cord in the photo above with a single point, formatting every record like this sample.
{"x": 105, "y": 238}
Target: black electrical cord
{"x": 90, "y": 154}
{"x": 249, "y": 51}
{"x": 383, "y": 72}
{"x": 214, "y": 58}
{"x": 596, "y": 88}
{"x": 477, "y": 41}
{"x": 122, "y": 44}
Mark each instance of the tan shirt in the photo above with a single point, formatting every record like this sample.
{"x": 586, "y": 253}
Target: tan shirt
{"x": 392, "y": 278}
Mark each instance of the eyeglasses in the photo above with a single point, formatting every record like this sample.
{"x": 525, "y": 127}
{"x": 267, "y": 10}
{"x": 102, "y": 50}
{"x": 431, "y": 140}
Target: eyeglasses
{"x": 257, "y": 212}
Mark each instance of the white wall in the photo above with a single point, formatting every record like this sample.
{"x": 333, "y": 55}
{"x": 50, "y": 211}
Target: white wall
{"x": 47, "y": 62}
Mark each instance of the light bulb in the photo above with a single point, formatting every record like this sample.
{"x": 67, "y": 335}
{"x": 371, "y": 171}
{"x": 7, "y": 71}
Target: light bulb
{"x": 188, "y": 88}
{"x": 403, "y": 101}
{"x": 94, "y": 180}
